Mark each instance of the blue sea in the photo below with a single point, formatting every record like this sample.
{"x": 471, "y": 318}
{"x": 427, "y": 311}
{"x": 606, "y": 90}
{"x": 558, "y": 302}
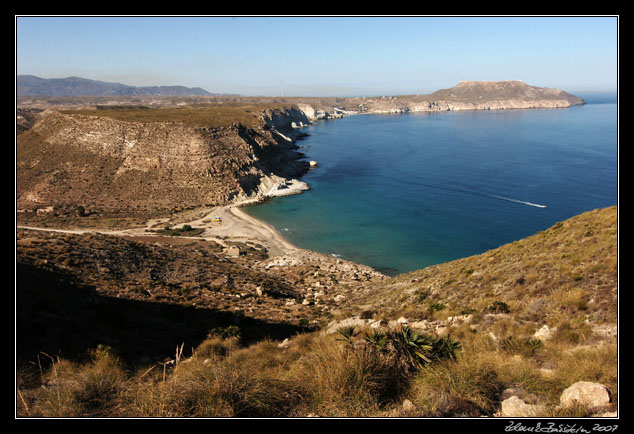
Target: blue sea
{"x": 403, "y": 192}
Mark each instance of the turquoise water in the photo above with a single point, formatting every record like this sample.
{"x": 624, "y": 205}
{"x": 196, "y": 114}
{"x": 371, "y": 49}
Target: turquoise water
{"x": 402, "y": 192}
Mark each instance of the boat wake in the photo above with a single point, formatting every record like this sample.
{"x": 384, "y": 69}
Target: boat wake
{"x": 467, "y": 191}
{"x": 508, "y": 199}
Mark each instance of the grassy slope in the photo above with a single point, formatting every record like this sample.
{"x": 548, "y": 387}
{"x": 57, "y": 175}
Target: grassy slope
{"x": 200, "y": 115}
{"x": 565, "y": 276}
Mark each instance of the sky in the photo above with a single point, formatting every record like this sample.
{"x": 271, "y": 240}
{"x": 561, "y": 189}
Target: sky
{"x": 322, "y": 55}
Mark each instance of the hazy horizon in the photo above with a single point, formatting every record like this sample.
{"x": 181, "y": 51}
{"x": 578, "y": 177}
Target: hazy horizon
{"x": 322, "y": 56}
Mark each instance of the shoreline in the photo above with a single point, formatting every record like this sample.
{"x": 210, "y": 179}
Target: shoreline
{"x": 237, "y": 225}
{"x": 229, "y": 223}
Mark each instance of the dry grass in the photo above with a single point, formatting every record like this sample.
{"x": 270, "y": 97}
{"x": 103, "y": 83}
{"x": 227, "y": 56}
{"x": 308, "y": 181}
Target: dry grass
{"x": 77, "y": 390}
{"x": 321, "y": 375}
{"x": 203, "y": 115}
{"x": 570, "y": 285}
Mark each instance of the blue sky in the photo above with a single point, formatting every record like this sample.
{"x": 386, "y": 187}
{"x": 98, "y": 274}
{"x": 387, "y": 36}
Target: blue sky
{"x": 322, "y": 56}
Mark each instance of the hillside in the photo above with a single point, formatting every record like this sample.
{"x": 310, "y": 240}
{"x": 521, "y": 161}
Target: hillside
{"x": 568, "y": 271}
{"x": 95, "y": 278}
{"x": 152, "y": 162}
{"x": 477, "y": 92}
{"x": 30, "y": 85}
{"x": 531, "y": 318}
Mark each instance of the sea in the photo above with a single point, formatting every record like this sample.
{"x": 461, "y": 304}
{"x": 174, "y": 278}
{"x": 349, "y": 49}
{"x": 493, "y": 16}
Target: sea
{"x": 401, "y": 192}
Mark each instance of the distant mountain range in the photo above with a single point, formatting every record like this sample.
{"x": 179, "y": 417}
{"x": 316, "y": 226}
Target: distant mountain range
{"x": 30, "y": 85}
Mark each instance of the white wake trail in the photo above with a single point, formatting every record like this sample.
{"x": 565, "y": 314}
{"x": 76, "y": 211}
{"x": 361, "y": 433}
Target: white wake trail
{"x": 518, "y": 201}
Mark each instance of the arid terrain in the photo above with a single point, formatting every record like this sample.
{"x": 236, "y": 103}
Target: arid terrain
{"x": 143, "y": 290}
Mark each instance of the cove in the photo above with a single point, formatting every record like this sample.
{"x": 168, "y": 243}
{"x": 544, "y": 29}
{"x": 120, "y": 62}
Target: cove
{"x": 403, "y": 192}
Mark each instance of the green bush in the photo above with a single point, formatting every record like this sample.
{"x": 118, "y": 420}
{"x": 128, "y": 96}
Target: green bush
{"x": 434, "y": 307}
{"x": 499, "y": 307}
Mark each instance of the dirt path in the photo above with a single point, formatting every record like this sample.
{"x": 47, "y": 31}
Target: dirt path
{"x": 233, "y": 225}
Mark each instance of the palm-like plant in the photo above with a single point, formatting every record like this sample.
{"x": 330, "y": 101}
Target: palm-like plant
{"x": 415, "y": 347}
{"x": 376, "y": 340}
{"x": 348, "y": 334}
{"x": 446, "y": 347}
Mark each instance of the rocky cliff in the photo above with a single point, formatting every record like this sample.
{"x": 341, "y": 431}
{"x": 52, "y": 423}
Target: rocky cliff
{"x": 108, "y": 164}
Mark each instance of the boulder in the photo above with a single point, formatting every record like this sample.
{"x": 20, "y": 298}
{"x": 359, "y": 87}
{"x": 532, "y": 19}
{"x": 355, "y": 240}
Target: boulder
{"x": 408, "y": 405}
{"x": 285, "y": 344}
{"x": 516, "y": 407}
{"x": 588, "y": 394}
{"x": 544, "y": 333}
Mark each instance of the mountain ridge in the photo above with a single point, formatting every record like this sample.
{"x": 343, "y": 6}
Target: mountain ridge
{"x": 31, "y": 85}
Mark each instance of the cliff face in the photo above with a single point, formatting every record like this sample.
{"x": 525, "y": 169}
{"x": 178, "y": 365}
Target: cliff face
{"x": 106, "y": 164}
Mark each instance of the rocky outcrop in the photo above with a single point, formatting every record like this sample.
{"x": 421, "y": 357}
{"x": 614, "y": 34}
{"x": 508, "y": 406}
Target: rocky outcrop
{"x": 594, "y": 397}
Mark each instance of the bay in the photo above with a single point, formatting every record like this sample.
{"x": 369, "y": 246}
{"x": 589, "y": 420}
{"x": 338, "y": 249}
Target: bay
{"x": 403, "y": 192}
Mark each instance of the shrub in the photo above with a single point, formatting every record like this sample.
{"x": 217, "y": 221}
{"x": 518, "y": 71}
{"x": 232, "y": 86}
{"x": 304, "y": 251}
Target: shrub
{"x": 421, "y": 295}
{"x": 435, "y": 307}
{"x": 499, "y": 307}
{"x": 348, "y": 334}
{"x": 367, "y": 314}
{"x": 526, "y": 346}
{"x": 376, "y": 340}
{"x": 341, "y": 382}
{"x": 412, "y": 349}
{"x": 231, "y": 331}
{"x": 73, "y": 390}
{"x": 468, "y": 387}
{"x": 468, "y": 311}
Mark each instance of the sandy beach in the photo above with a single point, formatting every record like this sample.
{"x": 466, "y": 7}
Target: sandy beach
{"x": 237, "y": 225}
